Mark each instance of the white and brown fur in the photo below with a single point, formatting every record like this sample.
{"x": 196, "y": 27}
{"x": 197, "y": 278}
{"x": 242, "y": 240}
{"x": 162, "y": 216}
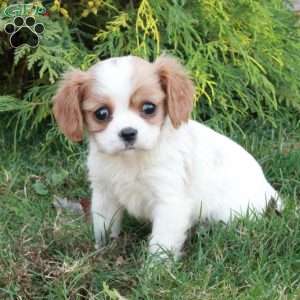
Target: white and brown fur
{"x": 176, "y": 172}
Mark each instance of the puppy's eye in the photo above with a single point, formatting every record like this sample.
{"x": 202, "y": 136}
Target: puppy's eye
{"x": 148, "y": 108}
{"x": 102, "y": 113}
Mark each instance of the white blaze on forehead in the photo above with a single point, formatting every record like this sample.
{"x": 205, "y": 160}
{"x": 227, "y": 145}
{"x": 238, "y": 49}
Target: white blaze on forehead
{"x": 114, "y": 78}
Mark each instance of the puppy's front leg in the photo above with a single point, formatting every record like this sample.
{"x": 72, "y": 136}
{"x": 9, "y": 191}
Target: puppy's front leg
{"x": 170, "y": 224}
{"x": 107, "y": 216}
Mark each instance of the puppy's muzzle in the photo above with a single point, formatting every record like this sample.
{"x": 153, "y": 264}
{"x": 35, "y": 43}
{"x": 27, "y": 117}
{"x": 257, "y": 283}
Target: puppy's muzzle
{"x": 128, "y": 135}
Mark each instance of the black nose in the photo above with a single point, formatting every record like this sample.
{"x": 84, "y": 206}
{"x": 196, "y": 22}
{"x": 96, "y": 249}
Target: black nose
{"x": 128, "y": 134}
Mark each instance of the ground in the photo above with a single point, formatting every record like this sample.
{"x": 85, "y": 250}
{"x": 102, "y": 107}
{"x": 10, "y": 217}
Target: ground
{"x": 47, "y": 254}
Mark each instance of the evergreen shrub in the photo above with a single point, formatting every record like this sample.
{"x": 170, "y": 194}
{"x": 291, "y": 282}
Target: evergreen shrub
{"x": 243, "y": 55}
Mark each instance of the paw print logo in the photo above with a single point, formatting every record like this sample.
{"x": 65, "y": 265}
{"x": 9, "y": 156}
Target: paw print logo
{"x": 24, "y": 31}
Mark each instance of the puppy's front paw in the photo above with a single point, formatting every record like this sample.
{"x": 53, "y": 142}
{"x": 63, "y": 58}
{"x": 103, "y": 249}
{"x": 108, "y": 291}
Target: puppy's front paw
{"x": 100, "y": 243}
{"x": 158, "y": 253}
{"x": 103, "y": 243}
{"x": 155, "y": 262}
{"x": 98, "y": 246}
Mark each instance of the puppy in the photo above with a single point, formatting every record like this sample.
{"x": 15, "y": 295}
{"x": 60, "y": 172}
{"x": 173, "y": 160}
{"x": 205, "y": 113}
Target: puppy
{"x": 148, "y": 157}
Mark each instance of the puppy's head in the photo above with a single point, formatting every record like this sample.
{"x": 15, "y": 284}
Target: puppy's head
{"x": 123, "y": 102}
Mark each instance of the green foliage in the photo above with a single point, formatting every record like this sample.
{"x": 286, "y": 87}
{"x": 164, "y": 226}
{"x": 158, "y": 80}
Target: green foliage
{"x": 242, "y": 54}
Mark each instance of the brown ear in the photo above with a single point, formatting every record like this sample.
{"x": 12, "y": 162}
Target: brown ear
{"x": 178, "y": 87}
{"x": 67, "y": 102}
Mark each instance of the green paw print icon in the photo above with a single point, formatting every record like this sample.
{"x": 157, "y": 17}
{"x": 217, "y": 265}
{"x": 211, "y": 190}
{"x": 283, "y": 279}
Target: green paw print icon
{"x": 24, "y": 31}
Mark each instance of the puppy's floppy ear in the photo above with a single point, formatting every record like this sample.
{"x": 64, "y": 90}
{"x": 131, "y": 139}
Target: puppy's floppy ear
{"x": 178, "y": 87}
{"x": 67, "y": 103}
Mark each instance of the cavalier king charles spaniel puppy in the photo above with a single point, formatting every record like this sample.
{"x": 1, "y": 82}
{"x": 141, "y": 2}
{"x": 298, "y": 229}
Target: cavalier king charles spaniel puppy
{"x": 148, "y": 157}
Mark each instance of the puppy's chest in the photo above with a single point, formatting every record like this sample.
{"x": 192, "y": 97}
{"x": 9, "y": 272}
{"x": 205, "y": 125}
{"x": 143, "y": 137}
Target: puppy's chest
{"x": 135, "y": 191}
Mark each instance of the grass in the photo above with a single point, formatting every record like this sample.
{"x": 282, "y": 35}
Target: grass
{"x": 47, "y": 254}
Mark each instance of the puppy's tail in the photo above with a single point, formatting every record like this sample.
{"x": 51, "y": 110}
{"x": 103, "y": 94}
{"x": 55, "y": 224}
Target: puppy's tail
{"x": 274, "y": 200}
